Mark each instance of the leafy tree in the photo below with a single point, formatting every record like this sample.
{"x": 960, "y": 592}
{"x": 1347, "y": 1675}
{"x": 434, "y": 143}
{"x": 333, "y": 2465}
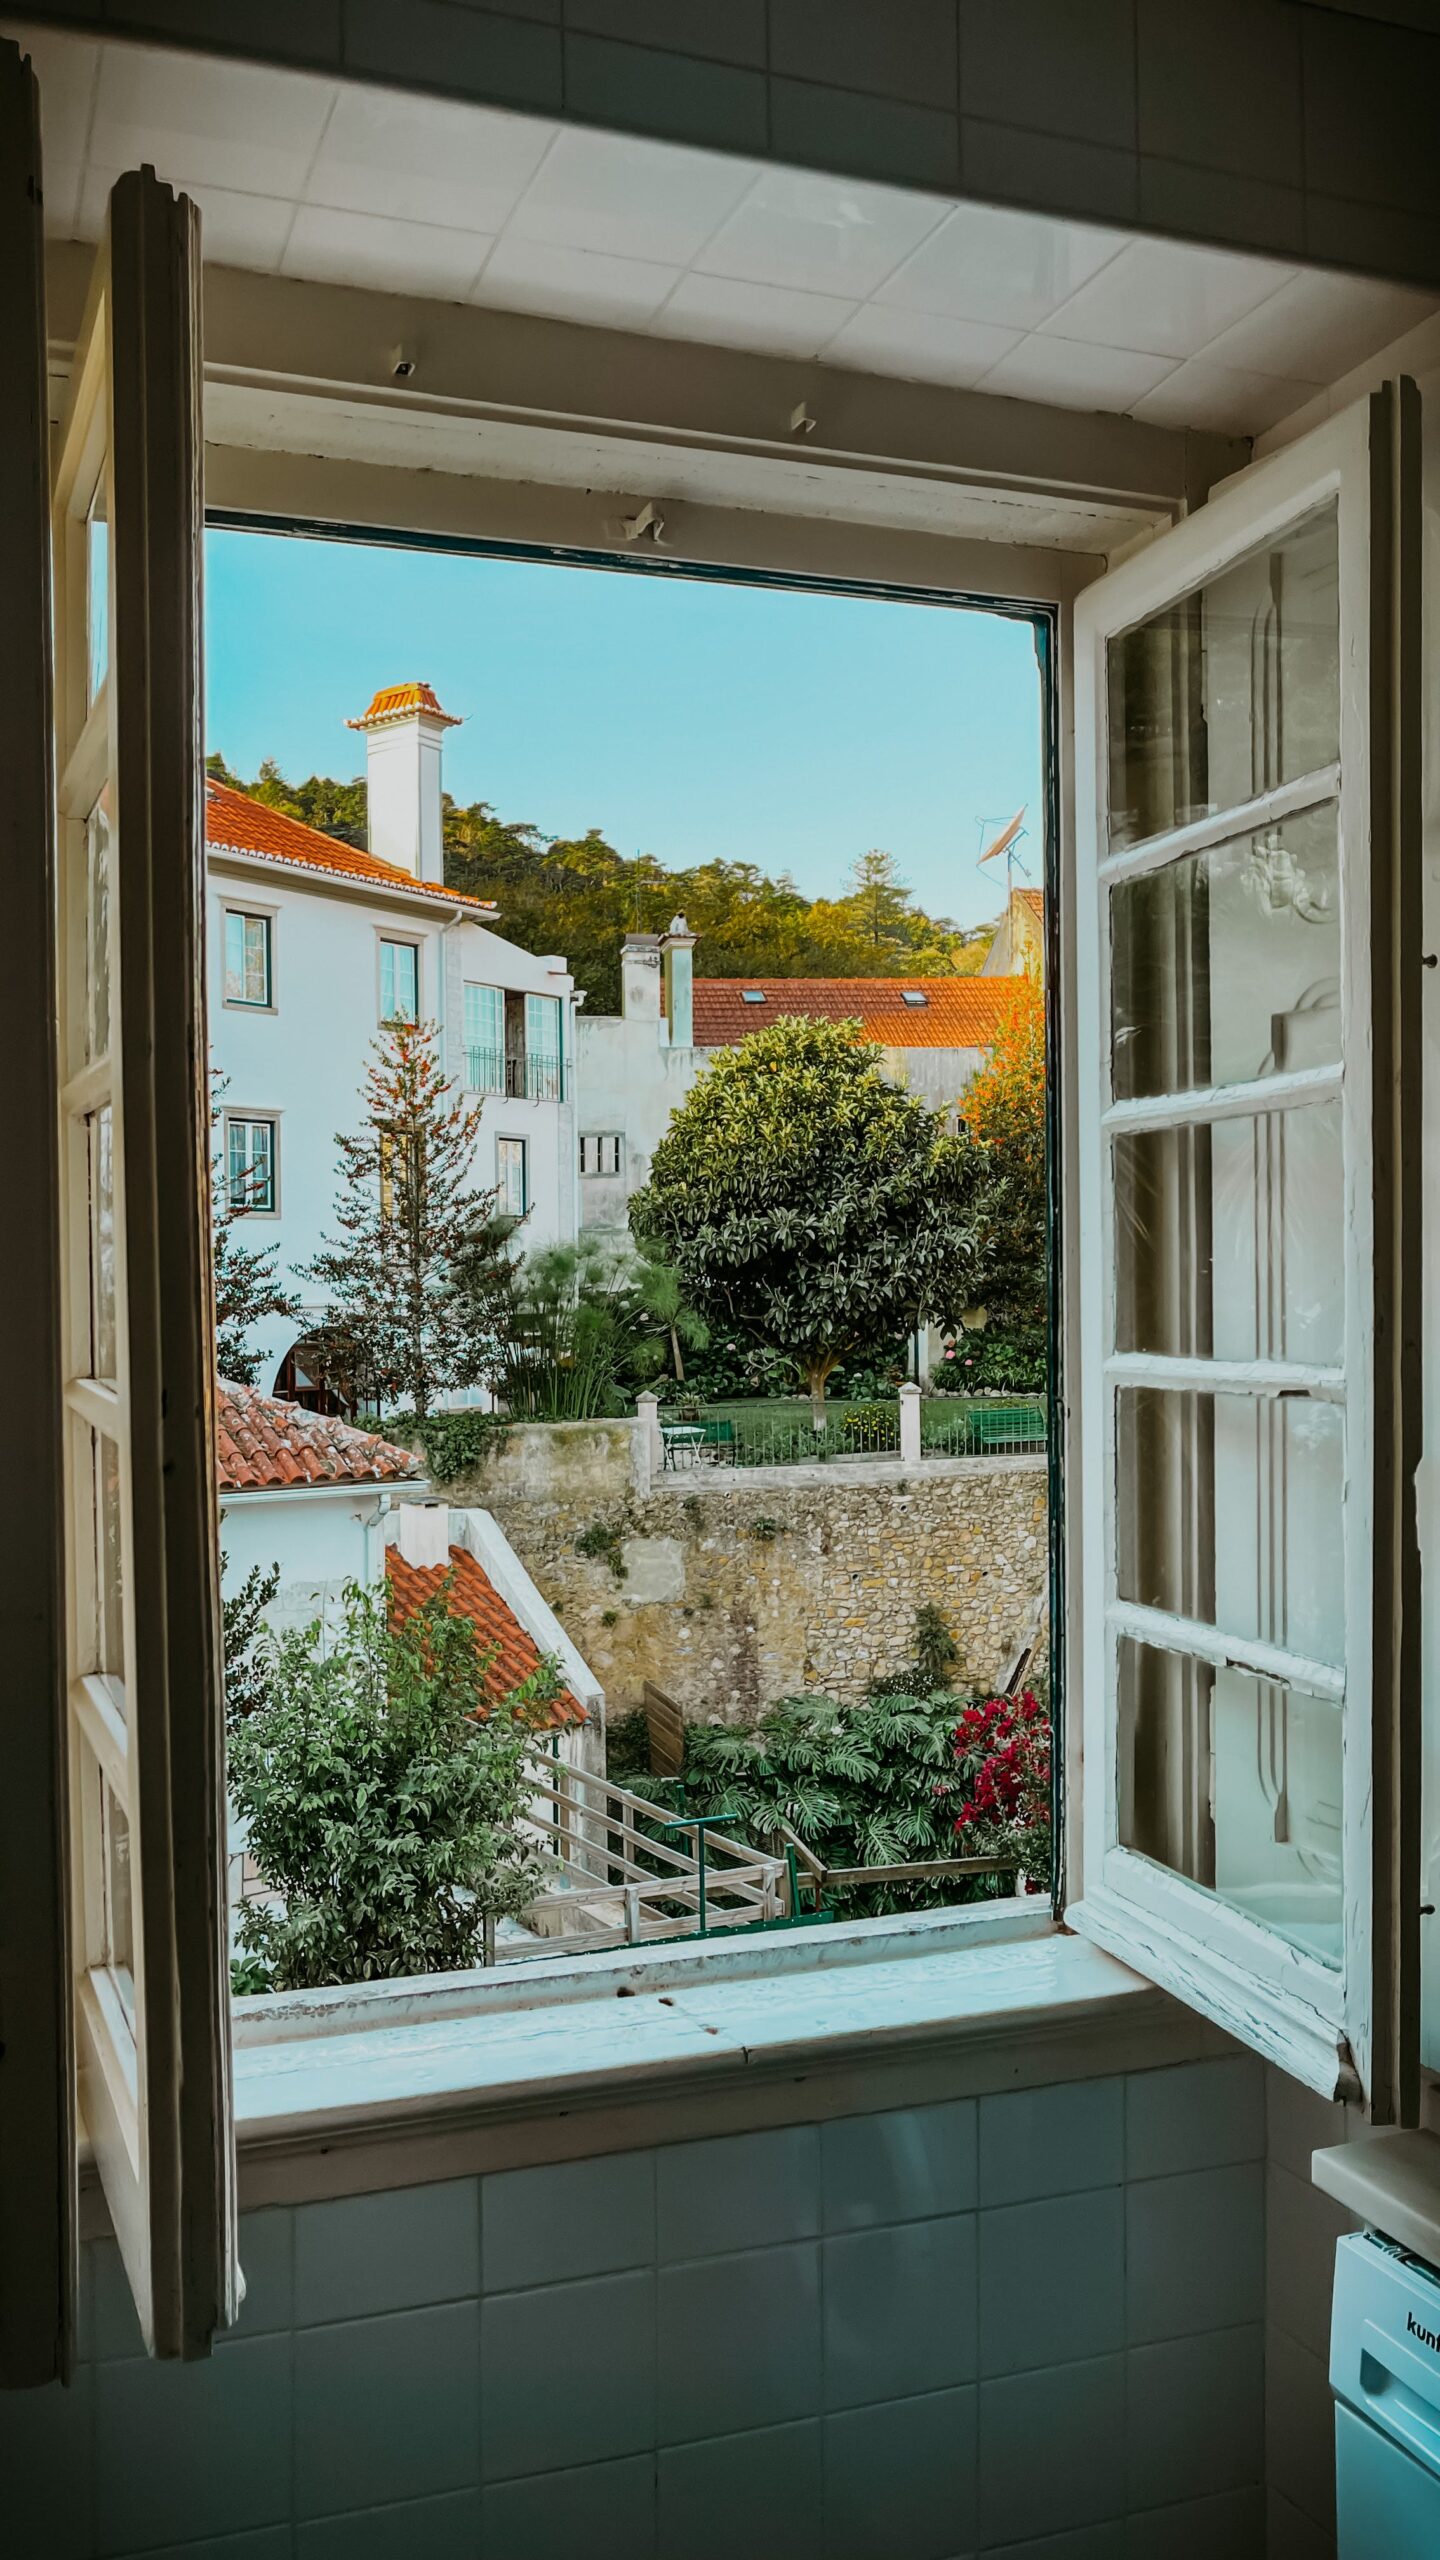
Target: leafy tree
{"x": 579, "y": 895}
{"x": 409, "y": 1218}
{"x": 661, "y": 1293}
{"x": 243, "y": 1623}
{"x": 1004, "y": 1109}
{"x": 246, "y": 1287}
{"x": 384, "y": 1798}
{"x": 807, "y": 1201}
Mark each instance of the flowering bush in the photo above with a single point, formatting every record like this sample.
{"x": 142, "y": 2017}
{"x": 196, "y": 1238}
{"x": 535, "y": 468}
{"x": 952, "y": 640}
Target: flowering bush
{"x": 1002, "y": 1754}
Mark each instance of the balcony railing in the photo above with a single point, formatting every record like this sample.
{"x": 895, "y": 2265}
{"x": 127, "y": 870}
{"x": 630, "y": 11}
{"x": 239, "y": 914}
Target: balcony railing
{"x": 536, "y": 1076}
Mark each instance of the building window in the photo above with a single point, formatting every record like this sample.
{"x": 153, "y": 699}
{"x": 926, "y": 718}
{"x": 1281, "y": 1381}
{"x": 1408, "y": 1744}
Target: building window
{"x": 600, "y": 1153}
{"x": 250, "y": 1165}
{"x": 247, "y": 958}
{"x": 534, "y": 1060}
{"x": 752, "y": 995}
{"x": 399, "y": 982}
{"x": 484, "y": 1039}
{"x": 512, "y": 1176}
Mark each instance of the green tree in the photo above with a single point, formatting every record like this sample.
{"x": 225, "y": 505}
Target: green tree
{"x": 383, "y": 1797}
{"x": 1004, "y": 1109}
{"x": 409, "y": 1215}
{"x": 661, "y": 1293}
{"x": 807, "y": 1201}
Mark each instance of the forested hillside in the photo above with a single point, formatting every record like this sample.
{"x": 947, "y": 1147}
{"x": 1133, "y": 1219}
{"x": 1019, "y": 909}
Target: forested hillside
{"x": 577, "y": 895}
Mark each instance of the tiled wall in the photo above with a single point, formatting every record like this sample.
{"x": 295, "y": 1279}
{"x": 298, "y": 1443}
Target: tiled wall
{"x": 1267, "y": 124}
{"x": 916, "y": 2335}
{"x": 1301, "y": 2229}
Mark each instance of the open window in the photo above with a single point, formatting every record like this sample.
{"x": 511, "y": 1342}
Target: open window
{"x": 1248, "y": 956}
{"x": 142, "y": 1613}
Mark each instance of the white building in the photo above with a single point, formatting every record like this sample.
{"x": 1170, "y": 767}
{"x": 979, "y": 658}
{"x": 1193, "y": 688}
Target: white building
{"x": 634, "y": 1068}
{"x": 314, "y": 945}
{"x": 1019, "y": 942}
{"x": 329, "y": 1506}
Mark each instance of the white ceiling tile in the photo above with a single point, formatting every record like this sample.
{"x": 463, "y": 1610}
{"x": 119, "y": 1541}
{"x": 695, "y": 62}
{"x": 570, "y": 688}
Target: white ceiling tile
{"x": 1164, "y": 299}
{"x": 1216, "y": 397}
{"x": 1317, "y": 327}
{"x": 426, "y": 160}
{"x": 775, "y": 319}
{"x": 1012, "y": 268}
{"x": 572, "y": 284}
{"x": 66, "y": 68}
{"x": 232, "y": 124}
{"x": 628, "y": 199}
{"x": 1072, "y": 376}
{"x": 919, "y": 346}
{"x": 375, "y": 249}
{"x": 820, "y": 235}
{"x": 62, "y": 198}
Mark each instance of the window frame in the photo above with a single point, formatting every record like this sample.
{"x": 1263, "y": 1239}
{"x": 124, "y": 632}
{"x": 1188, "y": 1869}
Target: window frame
{"x": 1353, "y": 2033}
{"x": 506, "y": 1138}
{"x": 386, "y": 939}
{"x": 599, "y": 1138}
{"x": 153, "y": 2080}
{"x": 483, "y": 986}
{"x": 254, "y": 1119}
{"x": 250, "y": 914}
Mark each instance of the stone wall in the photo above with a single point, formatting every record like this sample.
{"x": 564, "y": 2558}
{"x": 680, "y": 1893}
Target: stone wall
{"x": 741, "y": 1588}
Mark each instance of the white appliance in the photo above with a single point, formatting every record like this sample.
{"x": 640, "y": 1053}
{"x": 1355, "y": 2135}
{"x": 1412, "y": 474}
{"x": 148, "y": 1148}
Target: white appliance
{"x": 1385, "y": 2372}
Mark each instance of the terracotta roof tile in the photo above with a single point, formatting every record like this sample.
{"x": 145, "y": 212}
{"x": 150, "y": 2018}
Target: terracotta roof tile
{"x": 498, "y": 1631}
{"x": 1033, "y": 900}
{"x": 265, "y": 1444}
{"x": 397, "y": 701}
{"x": 958, "y": 1013}
{"x": 234, "y": 823}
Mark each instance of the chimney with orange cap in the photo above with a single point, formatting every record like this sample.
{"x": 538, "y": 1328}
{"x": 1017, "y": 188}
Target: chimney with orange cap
{"x": 404, "y": 730}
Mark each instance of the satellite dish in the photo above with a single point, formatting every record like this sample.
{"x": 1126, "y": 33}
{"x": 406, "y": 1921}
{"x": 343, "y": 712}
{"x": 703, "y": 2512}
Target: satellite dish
{"x": 1007, "y": 839}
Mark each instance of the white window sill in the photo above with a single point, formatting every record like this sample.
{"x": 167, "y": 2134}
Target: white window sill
{"x": 394, "y": 2083}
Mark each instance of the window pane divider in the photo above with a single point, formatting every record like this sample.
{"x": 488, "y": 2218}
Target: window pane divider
{"x": 103, "y": 1727}
{"x": 1287, "y": 800}
{"x": 1227, "y": 1377}
{"x": 1226, "y": 1652}
{"x": 1261, "y": 1094}
{"x": 87, "y": 766}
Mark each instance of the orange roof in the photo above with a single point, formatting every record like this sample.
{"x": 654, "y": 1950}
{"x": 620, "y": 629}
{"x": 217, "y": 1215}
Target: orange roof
{"x": 957, "y": 1013}
{"x": 1033, "y": 900}
{"x": 234, "y": 823}
{"x": 397, "y": 701}
{"x": 498, "y": 1631}
{"x": 265, "y": 1445}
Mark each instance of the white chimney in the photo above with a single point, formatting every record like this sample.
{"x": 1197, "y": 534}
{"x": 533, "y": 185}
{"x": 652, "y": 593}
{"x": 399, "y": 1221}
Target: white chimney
{"x": 640, "y": 977}
{"x": 422, "y": 1532}
{"x": 404, "y": 730}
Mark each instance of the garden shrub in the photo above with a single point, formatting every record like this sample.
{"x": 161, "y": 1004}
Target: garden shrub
{"x": 1003, "y": 1754}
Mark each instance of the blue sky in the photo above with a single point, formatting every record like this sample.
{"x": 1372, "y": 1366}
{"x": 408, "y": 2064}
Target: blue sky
{"x": 685, "y": 719}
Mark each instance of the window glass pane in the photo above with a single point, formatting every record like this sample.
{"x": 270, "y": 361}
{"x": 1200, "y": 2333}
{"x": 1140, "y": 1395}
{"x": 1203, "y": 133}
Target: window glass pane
{"x": 97, "y": 931}
{"x": 510, "y": 1172}
{"x": 97, "y": 579}
{"x": 107, "y": 1634}
{"x": 100, "y": 1138}
{"x": 1230, "y": 1511}
{"x": 399, "y": 982}
{"x": 119, "y": 1914}
{"x": 484, "y": 1039}
{"x": 1229, "y": 691}
{"x": 247, "y": 959}
{"x": 1229, "y": 1239}
{"x": 542, "y": 1048}
{"x": 1226, "y": 965}
{"x": 1236, "y": 1783}
{"x": 250, "y": 1164}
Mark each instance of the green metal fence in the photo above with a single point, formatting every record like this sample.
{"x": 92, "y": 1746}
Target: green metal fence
{"x": 948, "y": 1429}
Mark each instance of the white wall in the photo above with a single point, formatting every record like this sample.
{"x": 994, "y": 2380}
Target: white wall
{"x": 320, "y": 1537}
{"x": 304, "y": 1061}
{"x": 628, "y": 1079}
